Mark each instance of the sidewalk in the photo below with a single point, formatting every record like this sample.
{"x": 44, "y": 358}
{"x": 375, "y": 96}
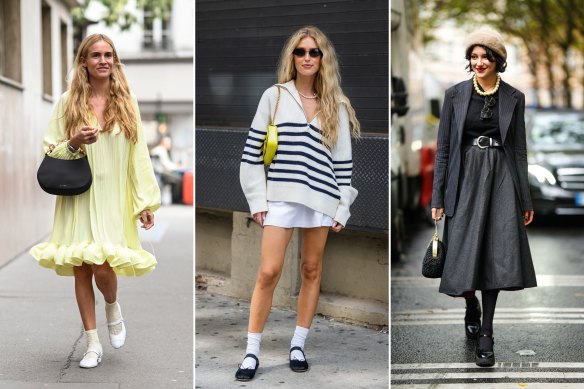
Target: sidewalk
{"x": 41, "y": 336}
{"x": 340, "y": 355}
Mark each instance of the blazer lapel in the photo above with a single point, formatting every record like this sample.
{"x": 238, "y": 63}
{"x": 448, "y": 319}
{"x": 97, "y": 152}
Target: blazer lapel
{"x": 507, "y": 102}
{"x": 461, "y": 102}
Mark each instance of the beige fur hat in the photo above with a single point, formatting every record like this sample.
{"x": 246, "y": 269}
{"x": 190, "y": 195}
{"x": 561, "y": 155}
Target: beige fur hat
{"x": 489, "y": 38}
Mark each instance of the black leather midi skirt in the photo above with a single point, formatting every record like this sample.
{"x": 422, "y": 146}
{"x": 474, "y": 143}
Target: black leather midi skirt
{"x": 486, "y": 240}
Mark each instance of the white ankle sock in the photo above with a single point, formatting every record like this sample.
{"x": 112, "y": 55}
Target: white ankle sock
{"x": 93, "y": 355}
{"x": 113, "y": 314}
{"x": 253, "y": 347}
{"x": 300, "y": 334}
{"x": 92, "y": 340}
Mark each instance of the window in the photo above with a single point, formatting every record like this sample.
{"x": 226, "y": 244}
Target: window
{"x": 156, "y": 32}
{"x": 10, "y": 46}
{"x": 165, "y": 34}
{"x": 47, "y": 53}
{"x": 64, "y": 61}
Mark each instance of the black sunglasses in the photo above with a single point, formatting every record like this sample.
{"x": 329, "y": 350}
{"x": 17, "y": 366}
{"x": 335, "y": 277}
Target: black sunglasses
{"x": 312, "y": 52}
{"x": 486, "y": 113}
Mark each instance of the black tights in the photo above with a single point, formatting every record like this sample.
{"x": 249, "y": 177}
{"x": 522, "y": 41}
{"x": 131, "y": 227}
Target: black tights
{"x": 489, "y": 301}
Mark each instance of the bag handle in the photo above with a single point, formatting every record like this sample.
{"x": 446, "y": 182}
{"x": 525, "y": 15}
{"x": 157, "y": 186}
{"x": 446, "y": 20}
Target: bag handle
{"x": 435, "y": 240}
{"x": 275, "y": 109}
{"x": 52, "y": 146}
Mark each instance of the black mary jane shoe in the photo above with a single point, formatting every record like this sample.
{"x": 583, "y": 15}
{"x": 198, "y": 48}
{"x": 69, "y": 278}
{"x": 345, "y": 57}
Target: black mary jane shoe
{"x": 472, "y": 321}
{"x": 295, "y": 364}
{"x": 247, "y": 374}
{"x": 485, "y": 357}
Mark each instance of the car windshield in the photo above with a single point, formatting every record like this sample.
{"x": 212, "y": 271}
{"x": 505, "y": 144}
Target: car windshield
{"x": 558, "y": 129}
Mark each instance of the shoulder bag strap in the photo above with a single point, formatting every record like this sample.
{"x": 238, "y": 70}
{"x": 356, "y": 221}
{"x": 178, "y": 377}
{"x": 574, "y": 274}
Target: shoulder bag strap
{"x": 275, "y": 109}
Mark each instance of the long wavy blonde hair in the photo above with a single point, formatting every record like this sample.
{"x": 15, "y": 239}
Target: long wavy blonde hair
{"x": 327, "y": 83}
{"x": 119, "y": 107}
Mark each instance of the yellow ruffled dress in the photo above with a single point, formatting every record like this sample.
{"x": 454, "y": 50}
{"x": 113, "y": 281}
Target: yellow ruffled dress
{"x": 101, "y": 224}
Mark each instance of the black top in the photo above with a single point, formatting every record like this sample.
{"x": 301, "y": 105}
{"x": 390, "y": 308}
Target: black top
{"x": 474, "y": 126}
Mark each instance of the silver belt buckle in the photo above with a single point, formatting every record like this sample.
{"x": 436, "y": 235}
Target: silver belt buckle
{"x": 490, "y": 144}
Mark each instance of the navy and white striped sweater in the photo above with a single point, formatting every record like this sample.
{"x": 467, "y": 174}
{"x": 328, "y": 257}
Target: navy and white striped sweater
{"x": 303, "y": 171}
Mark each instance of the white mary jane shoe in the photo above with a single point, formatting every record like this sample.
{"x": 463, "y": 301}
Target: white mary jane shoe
{"x": 117, "y": 340}
{"x": 91, "y": 358}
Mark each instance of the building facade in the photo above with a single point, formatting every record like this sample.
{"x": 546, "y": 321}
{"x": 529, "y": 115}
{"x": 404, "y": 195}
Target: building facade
{"x": 238, "y": 44}
{"x": 35, "y": 58}
{"x": 158, "y": 59}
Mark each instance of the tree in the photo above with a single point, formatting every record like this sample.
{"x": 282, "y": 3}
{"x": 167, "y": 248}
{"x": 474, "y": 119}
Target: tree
{"x": 545, "y": 27}
{"x": 117, "y": 14}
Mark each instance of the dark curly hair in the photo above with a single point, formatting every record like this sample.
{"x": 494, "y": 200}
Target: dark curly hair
{"x": 501, "y": 64}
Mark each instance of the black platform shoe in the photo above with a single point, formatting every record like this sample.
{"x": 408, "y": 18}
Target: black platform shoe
{"x": 247, "y": 374}
{"x": 485, "y": 357}
{"x": 472, "y": 320}
{"x": 295, "y": 364}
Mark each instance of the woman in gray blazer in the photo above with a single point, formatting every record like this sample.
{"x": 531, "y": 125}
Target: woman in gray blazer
{"x": 481, "y": 186}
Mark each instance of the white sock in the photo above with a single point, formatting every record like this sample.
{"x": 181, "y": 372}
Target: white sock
{"x": 113, "y": 314}
{"x": 300, "y": 334}
{"x": 93, "y": 340}
{"x": 253, "y": 347}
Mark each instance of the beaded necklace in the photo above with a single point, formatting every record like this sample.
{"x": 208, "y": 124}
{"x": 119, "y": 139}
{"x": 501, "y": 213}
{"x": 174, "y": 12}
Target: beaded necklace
{"x": 308, "y": 97}
{"x": 485, "y": 93}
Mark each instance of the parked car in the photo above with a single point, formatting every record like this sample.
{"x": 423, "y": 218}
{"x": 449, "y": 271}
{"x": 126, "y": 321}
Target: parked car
{"x": 556, "y": 161}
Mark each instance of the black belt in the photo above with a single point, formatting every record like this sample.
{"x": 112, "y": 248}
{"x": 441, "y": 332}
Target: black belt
{"x": 483, "y": 142}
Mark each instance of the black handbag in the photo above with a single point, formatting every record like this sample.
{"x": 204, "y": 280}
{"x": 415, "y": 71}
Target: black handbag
{"x": 64, "y": 177}
{"x": 434, "y": 257}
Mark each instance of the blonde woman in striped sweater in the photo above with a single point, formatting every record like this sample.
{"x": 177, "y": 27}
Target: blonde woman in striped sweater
{"x": 308, "y": 184}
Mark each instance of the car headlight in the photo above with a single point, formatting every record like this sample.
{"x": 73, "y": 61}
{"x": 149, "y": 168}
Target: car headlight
{"x": 542, "y": 174}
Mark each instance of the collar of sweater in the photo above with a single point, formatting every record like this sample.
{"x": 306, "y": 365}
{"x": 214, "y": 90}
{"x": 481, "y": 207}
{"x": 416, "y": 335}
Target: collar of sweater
{"x": 290, "y": 86}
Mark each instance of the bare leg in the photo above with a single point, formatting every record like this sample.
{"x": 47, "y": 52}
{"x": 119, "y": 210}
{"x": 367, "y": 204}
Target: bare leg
{"x": 274, "y": 243}
{"x": 106, "y": 282}
{"x": 313, "y": 243}
{"x": 85, "y": 296}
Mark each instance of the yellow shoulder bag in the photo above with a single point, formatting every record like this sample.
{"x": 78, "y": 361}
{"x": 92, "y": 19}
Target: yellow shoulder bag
{"x": 271, "y": 142}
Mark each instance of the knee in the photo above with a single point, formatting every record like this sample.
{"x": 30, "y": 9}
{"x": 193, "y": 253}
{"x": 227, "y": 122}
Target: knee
{"x": 83, "y": 273}
{"x": 268, "y": 276}
{"x": 310, "y": 271}
{"x": 103, "y": 273}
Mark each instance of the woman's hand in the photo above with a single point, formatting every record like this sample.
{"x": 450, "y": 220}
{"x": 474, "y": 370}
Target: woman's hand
{"x": 85, "y": 136}
{"x": 147, "y": 219}
{"x": 337, "y": 227}
{"x": 260, "y": 217}
{"x": 528, "y": 217}
{"x": 437, "y": 213}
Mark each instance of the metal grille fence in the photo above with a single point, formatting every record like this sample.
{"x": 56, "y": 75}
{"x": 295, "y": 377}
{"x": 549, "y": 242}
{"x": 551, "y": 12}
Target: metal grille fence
{"x": 218, "y": 153}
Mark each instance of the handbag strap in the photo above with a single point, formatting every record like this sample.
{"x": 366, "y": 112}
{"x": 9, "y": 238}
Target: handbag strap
{"x": 275, "y": 109}
{"x": 435, "y": 240}
{"x": 52, "y": 147}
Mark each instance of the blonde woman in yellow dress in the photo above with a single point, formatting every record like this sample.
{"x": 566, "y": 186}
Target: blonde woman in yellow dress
{"x": 95, "y": 233}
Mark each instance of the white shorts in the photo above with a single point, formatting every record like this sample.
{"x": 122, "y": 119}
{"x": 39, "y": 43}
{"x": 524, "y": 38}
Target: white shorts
{"x": 289, "y": 215}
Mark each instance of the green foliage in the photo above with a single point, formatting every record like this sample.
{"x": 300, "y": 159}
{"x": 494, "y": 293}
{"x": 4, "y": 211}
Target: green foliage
{"x": 546, "y": 28}
{"x": 119, "y": 14}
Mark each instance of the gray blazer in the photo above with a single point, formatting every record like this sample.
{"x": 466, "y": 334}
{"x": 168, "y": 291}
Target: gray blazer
{"x": 448, "y": 148}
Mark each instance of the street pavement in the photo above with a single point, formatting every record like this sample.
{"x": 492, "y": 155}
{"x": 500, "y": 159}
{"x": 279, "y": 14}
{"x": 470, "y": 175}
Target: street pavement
{"x": 340, "y": 355}
{"x": 538, "y": 331}
{"x": 41, "y": 336}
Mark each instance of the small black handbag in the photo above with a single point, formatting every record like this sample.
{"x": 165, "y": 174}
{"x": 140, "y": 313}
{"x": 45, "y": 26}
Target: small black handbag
{"x": 434, "y": 257}
{"x": 64, "y": 177}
